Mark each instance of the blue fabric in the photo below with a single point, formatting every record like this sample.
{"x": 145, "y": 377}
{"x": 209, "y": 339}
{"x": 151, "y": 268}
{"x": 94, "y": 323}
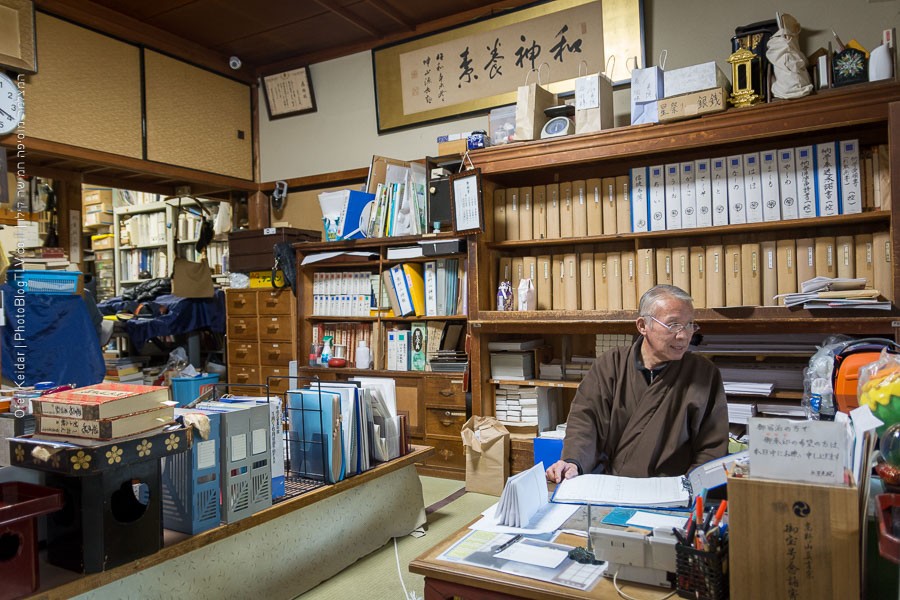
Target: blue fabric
{"x": 184, "y": 315}
{"x": 49, "y": 337}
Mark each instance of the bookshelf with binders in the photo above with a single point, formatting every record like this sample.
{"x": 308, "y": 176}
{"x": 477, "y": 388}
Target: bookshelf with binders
{"x": 596, "y": 237}
{"x": 411, "y": 309}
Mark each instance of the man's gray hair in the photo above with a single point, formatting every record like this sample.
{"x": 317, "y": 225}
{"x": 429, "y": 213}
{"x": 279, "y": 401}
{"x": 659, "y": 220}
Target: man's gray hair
{"x": 657, "y": 293}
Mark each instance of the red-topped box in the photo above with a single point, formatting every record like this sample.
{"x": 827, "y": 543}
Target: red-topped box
{"x": 20, "y": 505}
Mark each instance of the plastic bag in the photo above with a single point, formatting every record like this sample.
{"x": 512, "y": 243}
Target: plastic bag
{"x": 879, "y": 388}
{"x": 817, "y": 378}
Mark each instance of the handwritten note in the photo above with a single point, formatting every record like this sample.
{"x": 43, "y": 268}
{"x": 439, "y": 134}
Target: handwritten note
{"x": 587, "y": 92}
{"x": 810, "y": 451}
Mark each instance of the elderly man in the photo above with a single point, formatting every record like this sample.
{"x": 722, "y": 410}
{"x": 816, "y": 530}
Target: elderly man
{"x": 651, "y": 409}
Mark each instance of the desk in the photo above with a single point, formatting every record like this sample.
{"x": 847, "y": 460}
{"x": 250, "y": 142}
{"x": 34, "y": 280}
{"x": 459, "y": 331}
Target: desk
{"x": 279, "y": 552}
{"x": 444, "y": 580}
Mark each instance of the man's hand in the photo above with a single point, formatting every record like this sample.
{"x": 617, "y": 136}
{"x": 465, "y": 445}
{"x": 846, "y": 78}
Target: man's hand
{"x": 561, "y": 470}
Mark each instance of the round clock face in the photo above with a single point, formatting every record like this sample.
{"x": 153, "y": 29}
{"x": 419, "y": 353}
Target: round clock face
{"x": 12, "y": 107}
{"x": 557, "y": 125}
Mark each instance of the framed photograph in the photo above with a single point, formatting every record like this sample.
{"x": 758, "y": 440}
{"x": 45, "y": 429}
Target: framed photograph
{"x": 289, "y": 93}
{"x": 465, "y": 202}
{"x": 480, "y": 65}
{"x": 17, "y": 44}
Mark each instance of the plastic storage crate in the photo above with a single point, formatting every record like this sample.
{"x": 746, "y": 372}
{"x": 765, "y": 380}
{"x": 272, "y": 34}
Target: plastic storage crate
{"x": 190, "y": 483}
{"x": 48, "y": 282}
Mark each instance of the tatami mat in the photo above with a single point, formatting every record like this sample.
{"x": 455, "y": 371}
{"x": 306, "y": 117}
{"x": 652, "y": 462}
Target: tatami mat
{"x": 375, "y": 576}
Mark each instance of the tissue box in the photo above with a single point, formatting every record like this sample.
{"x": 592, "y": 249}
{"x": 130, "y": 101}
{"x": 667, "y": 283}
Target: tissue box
{"x": 695, "y": 78}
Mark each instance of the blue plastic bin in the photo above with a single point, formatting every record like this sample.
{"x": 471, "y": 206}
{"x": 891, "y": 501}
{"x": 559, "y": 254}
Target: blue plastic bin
{"x": 548, "y": 450}
{"x": 186, "y": 389}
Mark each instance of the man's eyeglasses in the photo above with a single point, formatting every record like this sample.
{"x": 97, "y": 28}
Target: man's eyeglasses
{"x": 676, "y": 328}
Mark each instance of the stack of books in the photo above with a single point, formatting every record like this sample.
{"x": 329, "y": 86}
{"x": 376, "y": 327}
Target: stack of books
{"x": 39, "y": 259}
{"x": 104, "y": 411}
{"x": 123, "y": 370}
{"x": 517, "y": 403}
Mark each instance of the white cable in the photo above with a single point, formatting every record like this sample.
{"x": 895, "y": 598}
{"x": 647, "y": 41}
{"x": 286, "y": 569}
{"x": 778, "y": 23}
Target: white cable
{"x": 622, "y": 593}
{"x": 399, "y": 572}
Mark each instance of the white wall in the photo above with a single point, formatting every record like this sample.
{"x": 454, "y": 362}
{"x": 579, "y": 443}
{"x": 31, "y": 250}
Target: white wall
{"x": 342, "y": 134}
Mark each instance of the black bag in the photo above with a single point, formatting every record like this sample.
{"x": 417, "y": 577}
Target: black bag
{"x": 286, "y": 260}
{"x": 148, "y": 290}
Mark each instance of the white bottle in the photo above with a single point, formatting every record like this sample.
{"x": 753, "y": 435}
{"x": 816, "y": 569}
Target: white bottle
{"x": 363, "y": 355}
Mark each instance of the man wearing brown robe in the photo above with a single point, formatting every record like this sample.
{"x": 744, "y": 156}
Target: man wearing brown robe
{"x": 648, "y": 410}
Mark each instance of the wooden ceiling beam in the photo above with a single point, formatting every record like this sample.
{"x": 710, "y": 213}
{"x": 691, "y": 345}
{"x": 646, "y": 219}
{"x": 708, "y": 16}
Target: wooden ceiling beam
{"x": 391, "y": 13}
{"x": 352, "y": 19}
{"x": 318, "y": 56}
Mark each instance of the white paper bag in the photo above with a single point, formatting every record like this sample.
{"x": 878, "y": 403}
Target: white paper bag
{"x": 646, "y": 92}
{"x": 527, "y": 295}
{"x": 593, "y": 103}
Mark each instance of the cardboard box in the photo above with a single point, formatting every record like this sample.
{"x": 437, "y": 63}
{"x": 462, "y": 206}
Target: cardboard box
{"x": 805, "y": 537}
{"x": 97, "y": 196}
{"x": 251, "y": 249}
{"x": 687, "y": 106}
{"x": 99, "y": 219}
{"x": 104, "y": 241}
{"x": 694, "y": 78}
{"x": 453, "y": 147}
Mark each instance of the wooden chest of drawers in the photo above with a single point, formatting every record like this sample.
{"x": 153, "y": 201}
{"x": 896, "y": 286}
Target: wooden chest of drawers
{"x": 262, "y": 334}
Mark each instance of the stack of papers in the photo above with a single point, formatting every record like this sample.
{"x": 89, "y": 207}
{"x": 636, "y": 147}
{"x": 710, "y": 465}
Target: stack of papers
{"x": 523, "y": 496}
{"x": 828, "y": 292}
{"x": 624, "y": 491}
{"x": 743, "y": 388}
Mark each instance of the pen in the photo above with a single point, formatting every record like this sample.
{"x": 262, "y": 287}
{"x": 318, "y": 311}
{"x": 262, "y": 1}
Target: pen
{"x": 508, "y": 543}
{"x": 699, "y": 503}
{"x": 709, "y": 516}
{"x": 720, "y": 513}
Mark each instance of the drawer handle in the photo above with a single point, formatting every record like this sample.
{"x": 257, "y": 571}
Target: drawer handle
{"x": 240, "y": 301}
{"x": 240, "y": 327}
{"x": 446, "y": 393}
{"x": 242, "y": 377}
{"x": 273, "y": 328}
{"x": 241, "y": 352}
{"x": 274, "y": 353}
{"x": 447, "y": 421}
{"x": 446, "y": 453}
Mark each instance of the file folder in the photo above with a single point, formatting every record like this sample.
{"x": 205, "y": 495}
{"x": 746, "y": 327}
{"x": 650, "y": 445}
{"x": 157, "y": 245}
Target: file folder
{"x": 806, "y": 259}
{"x": 553, "y": 211}
{"x": 586, "y": 269}
{"x": 698, "y": 276}
{"x": 769, "y": 265}
{"x": 715, "y": 276}
{"x": 645, "y": 263}
{"x": 499, "y": 215}
{"x": 539, "y": 212}
{"x": 558, "y": 300}
{"x": 657, "y": 196}
{"x": 751, "y": 275}
{"x": 681, "y": 268}
{"x": 771, "y": 196}
{"x": 640, "y": 200}
{"x": 566, "y": 210}
{"x": 881, "y": 261}
{"x": 845, "y": 248}
{"x": 526, "y": 214}
{"x": 688, "y": 198}
{"x": 865, "y": 258}
{"x": 512, "y": 214}
{"x": 601, "y": 281}
{"x": 787, "y": 184}
{"x": 673, "y": 196}
{"x": 608, "y": 185}
{"x": 628, "y": 263}
{"x": 544, "y": 282}
{"x": 572, "y": 293}
{"x": 594, "y": 193}
{"x": 826, "y": 257}
{"x": 733, "y": 278}
{"x": 703, "y": 192}
{"x": 737, "y": 212}
{"x": 579, "y": 209}
{"x": 664, "y": 266}
{"x": 786, "y": 266}
{"x": 753, "y": 188}
{"x": 613, "y": 281}
{"x": 623, "y": 204}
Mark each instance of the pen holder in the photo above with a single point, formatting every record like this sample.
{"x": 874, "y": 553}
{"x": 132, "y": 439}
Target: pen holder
{"x": 702, "y": 574}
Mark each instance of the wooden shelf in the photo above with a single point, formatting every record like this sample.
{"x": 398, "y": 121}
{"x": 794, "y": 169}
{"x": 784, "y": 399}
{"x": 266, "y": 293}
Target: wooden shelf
{"x": 366, "y": 243}
{"x": 547, "y": 383}
{"x": 308, "y": 371}
{"x": 817, "y": 223}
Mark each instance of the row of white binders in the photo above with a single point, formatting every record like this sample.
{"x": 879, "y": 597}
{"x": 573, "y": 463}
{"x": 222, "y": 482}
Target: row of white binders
{"x": 824, "y": 179}
{"x": 717, "y": 275}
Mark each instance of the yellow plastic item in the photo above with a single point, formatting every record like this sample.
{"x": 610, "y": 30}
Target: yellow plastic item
{"x": 263, "y": 279}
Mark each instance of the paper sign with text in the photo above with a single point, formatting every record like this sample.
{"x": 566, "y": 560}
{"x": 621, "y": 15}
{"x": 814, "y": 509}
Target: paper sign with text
{"x": 810, "y": 451}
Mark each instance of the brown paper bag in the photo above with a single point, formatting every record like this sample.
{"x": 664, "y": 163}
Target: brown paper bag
{"x": 487, "y": 455}
{"x": 593, "y": 103}
{"x": 531, "y": 101}
{"x": 191, "y": 279}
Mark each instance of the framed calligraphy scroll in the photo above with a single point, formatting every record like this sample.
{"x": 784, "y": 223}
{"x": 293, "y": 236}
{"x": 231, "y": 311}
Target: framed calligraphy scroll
{"x": 478, "y": 66}
{"x": 465, "y": 202}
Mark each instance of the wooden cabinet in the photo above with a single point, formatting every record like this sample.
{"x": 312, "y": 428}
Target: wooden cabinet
{"x": 261, "y": 337}
{"x": 435, "y": 403}
{"x": 868, "y": 113}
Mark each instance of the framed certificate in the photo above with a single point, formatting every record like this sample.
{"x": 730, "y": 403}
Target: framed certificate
{"x": 289, "y": 93}
{"x": 465, "y": 201}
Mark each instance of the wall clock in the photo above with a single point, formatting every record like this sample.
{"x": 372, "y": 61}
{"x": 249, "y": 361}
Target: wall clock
{"x": 12, "y": 106}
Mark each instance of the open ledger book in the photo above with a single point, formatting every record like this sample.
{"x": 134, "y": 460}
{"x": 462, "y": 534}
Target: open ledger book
{"x": 671, "y": 492}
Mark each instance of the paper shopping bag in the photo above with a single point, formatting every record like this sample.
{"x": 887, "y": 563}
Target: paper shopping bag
{"x": 527, "y": 295}
{"x": 487, "y": 455}
{"x": 646, "y": 92}
{"x": 531, "y": 101}
{"x": 593, "y": 103}
{"x": 192, "y": 279}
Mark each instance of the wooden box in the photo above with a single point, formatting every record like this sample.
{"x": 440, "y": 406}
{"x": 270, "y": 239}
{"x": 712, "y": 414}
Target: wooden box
{"x": 251, "y": 249}
{"x": 793, "y": 540}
